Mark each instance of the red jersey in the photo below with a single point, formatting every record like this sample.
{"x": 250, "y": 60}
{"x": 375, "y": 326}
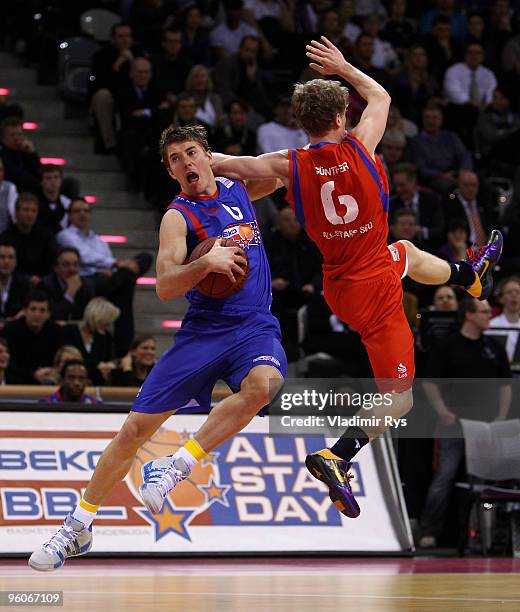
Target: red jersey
{"x": 340, "y": 196}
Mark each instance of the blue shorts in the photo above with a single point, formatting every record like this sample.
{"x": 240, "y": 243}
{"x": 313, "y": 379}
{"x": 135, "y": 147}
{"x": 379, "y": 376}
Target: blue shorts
{"x": 210, "y": 346}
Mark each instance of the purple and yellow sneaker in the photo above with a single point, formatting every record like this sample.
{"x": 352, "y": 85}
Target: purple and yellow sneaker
{"x": 333, "y": 471}
{"x": 482, "y": 262}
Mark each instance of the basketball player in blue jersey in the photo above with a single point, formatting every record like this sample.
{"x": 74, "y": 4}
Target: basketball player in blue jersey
{"x": 235, "y": 338}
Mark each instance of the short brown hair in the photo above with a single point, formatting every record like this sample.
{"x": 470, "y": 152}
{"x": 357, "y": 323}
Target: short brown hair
{"x": 467, "y": 304}
{"x": 406, "y": 168}
{"x": 316, "y": 104}
{"x": 26, "y": 196}
{"x": 172, "y": 134}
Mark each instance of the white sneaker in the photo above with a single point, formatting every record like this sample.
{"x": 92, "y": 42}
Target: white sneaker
{"x": 71, "y": 540}
{"x": 160, "y": 477}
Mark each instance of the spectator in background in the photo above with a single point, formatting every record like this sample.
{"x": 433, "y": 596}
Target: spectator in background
{"x": 209, "y": 104}
{"x": 369, "y": 7}
{"x": 414, "y": 86}
{"x": 235, "y": 129}
{"x": 441, "y": 48}
{"x": 281, "y": 133}
{"x": 468, "y": 87}
{"x": 350, "y": 30}
{"x": 439, "y": 154}
{"x": 195, "y": 36}
{"x": 404, "y": 226}
{"x": 329, "y": 26}
{"x": 186, "y": 111}
{"x": 454, "y": 249}
{"x": 54, "y": 205}
{"x": 396, "y": 121}
{"x": 94, "y": 340}
{"x": 426, "y": 205}
{"x": 8, "y": 197}
{"x": 74, "y": 382}
{"x": 465, "y": 354}
{"x": 110, "y": 73}
{"x": 21, "y": 162}
{"x": 14, "y": 287}
{"x": 63, "y": 354}
{"x": 509, "y": 319}
{"x": 6, "y": 376}
{"x": 393, "y": 145}
{"x": 170, "y": 68}
{"x": 364, "y": 58}
{"x": 399, "y": 31}
{"x": 69, "y": 293}
{"x": 498, "y": 131}
{"x": 478, "y": 34}
{"x": 464, "y": 203}
{"x": 445, "y": 9}
{"x": 138, "y": 102}
{"x": 226, "y": 37}
{"x": 33, "y": 339}
{"x": 112, "y": 278}
{"x": 35, "y": 246}
{"x": 136, "y": 365}
{"x": 239, "y": 76}
{"x": 296, "y": 274}
{"x": 385, "y": 56}
{"x": 510, "y": 63}
{"x": 445, "y": 299}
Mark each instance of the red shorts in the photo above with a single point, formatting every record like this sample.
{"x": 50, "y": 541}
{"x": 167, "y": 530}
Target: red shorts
{"x": 374, "y": 308}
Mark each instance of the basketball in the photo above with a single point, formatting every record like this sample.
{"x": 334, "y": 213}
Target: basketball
{"x": 215, "y": 284}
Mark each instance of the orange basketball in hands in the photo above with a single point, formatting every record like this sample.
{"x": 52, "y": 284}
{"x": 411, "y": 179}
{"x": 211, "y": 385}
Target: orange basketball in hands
{"x": 215, "y": 284}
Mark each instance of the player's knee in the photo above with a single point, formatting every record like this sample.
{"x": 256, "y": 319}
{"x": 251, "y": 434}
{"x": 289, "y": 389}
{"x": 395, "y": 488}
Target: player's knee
{"x": 259, "y": 387}
{"x": 131, "y": 435}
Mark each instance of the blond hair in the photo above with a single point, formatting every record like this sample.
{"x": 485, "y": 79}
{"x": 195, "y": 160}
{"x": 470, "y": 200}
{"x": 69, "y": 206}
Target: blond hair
{"x": 66, "y": 348}
{"x": 191, "y": 75}
{"x": 99, "y": 314}
{"x": 316, "y": 104}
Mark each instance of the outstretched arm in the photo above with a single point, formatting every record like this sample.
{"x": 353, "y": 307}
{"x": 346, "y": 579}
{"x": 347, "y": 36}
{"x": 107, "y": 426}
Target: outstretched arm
{"x": 266, "y": 166}
{"x": 328, "y": 60}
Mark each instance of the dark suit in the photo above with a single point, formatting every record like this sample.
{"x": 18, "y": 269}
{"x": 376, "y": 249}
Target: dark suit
{"x": 454, "y": 209}
{"x": 20, "y": 287}
{"x": 430, "y": 214}
{"x": 64, "y": 309}
{"x": 35, "y": 251}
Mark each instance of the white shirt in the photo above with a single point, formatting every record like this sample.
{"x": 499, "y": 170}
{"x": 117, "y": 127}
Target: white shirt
{"x": 512, "y": 336}
{"x": 263, "y": 8}
{"x": 8, "y": 197}
{"x": 228, "y": 39}
{"x": 457, "y": 83}
{"x": 273, "y": 136}
{"x": 95, "y": 255}
{"x": 207, "y": 113}
{"x": 4, "y": 292}
{"x": 384, "y": 54}
{"x": 351, "y": 31}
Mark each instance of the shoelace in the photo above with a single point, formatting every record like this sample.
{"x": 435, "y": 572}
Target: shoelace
{"x": 473, "y": 256}
{"x": 169, "y": 479}
{"x": 61, "y": 539}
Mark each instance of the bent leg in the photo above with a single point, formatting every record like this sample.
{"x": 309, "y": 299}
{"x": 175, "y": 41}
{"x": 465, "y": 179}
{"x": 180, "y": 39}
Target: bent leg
{"x": 117, "y": 458}
{"x": 233, "y": 413}
{"x": 424, "y": 267}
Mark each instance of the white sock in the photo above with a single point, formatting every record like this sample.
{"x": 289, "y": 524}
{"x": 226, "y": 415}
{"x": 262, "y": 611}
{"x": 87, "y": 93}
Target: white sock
{"x": 187, "y": 456}
{"x": 83, "y": 515}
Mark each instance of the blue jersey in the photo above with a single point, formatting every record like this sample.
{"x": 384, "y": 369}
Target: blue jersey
{"x": 228, "y": 214}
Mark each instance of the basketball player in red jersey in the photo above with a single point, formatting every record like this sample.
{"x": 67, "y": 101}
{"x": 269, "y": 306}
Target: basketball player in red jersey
{"x": 339, "y": 191}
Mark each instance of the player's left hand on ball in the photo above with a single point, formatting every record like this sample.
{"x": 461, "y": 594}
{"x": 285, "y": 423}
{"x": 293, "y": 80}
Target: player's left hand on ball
{"x": 326, "y": 58}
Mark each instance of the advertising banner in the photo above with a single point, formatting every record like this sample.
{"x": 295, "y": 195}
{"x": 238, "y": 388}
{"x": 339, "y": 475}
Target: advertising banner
{"x": 253, "y": 494}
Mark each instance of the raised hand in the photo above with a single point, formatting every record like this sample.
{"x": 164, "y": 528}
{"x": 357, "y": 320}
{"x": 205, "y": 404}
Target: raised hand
{"x": 326, "y": 58}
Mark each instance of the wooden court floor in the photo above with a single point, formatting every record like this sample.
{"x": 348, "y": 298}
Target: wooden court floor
{"x": 298, "y": 585}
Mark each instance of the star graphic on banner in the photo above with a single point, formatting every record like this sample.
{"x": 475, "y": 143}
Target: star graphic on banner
{"x": 168, "y": 519}
{"x": 215, "y": 492}
{"x": 210, "y": 459}
{"x": 185, "y": 436}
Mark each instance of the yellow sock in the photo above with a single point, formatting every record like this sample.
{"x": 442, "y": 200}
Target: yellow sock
{"x": 85, "y": 512}
{"x": 192, "y": 452}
